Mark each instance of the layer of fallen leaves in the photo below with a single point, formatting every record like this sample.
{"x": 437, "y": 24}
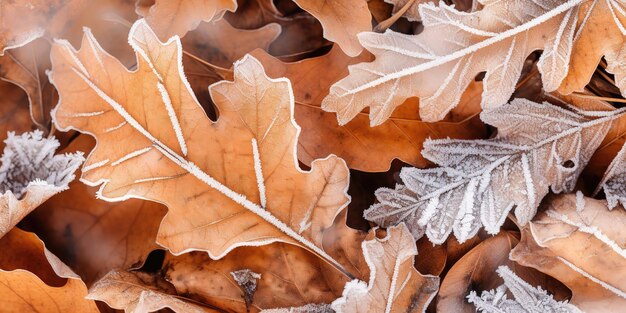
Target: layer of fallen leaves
{"x": 312, "y": 156}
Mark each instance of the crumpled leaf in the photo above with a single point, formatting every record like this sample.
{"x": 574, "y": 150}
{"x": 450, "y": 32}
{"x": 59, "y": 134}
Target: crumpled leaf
{"x": 496, "y": 39}
{"x": 74, "y": 222}
{"x": 581, "y": 248}
{"x": 342, "y": 20}
{"x": 240, "y": 170}
{"x": 475, "y": 272}
{"x": 34, "y": 280}
{"x": 176, "y": 17}
{"x": 362, "y": 147}
{"x": 290, "y": 276}
{"x": 30, "y": 174}
{"x": 480, "y": 181}
{"x": 394, "y": 283}
{"x": 141, "y": 292}
{"x": 526, "y": 297}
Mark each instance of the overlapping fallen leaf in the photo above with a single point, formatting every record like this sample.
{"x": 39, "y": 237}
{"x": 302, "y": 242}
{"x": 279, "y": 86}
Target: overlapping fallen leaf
{"x": 233, "y": 149}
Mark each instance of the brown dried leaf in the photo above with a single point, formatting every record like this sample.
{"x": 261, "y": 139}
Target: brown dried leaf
{"x": 221, "y": 44}
{"x": 14, "y": 110}
{"x": 33, "y": 280}
{"x": 301, "y": 32}
{"x": 290, "y": 276}
{"x": 240, "y": 170}
{"x": 141, "y": 292}
{"x": 584, "y": 249}
{"x": 364, "y": 148}
{"x": 394, "y": 283}
{"x": 342, "y": 20}
{"x": 600, "y": 32}
{"x": 475, "y": 272}
{"x": 176, "y": 17}
{"x": 74, "y": 222}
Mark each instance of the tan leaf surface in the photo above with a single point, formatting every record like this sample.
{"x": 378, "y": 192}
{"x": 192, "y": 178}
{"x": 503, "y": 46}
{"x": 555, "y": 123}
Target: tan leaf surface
{"x": 34, "y": 280}
{"x": 74, "y": 222}
{"x": 176, "y": 17}
{"x": 290, "y": 276}
{"x": 301, "y": 32}
{"x": 600, "y": 32}
{"x": 26, "y": 65}
{"x": 30, "y": 174}
{"x": 496, "y": 39}
{"x": 363, "y": 147}
{"x": 475, "y": 272}
{"x": 394, "y": 283}
{"x": 584, "y": 249}
{"x": 342, "y": 20}
{"x": 24, "y": 21}
{"x": 141, "y": 292}
{"x": 240, "y": 170}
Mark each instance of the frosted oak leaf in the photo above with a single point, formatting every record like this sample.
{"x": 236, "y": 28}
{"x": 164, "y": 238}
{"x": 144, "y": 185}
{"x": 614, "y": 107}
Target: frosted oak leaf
{"x": 438, "y": 64}
{"x": 394, "y": 283}
{"x": 538, "y": 146}
{"x": 583, "y": 249}
{"x": 526, "y": 297}
{"x": 230, "y": 183}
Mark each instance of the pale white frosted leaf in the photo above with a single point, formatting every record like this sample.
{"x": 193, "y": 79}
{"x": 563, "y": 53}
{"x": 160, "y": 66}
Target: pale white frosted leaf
{"x": 527, "y": 299}
{"x": 538, "y": 146}
{"x": 438, "y": 64}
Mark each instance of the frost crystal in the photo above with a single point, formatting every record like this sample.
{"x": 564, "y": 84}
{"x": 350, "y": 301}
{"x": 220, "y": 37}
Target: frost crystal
{"x": 308, "y": 308}
{"x": 247, "y": 280}
{"x": 528, "y": 299}
{"x": 538, "y": 146}
{"x": 614, "y": 181}
{"x": 29, "y": 159}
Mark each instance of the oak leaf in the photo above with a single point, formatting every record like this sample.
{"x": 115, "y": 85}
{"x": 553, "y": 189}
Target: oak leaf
{"x": 342, "y": 20}
{"x": 480, "y": 181}
{"x": 474, "y": 272}
{"x": 362, "y": 147}
{"x": 614, "y": 181}
{"x": 141, "y": 292}
{"x": 30, "y": 174}
{"x": 176, "y": 17}
{"x": 241, "y": 170}
{"x": 394, "y": 283}
{"x": 14, "y": 111}
{"x": 34, "y": 280}
{"x": 74, "y": 222}
{"x": 600, "y": 32}
{"x": 496, "y": 39}
{"x": 289, "y": 276}
{"x": 300, "y": 33}
{"x": 581, "y": 248}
